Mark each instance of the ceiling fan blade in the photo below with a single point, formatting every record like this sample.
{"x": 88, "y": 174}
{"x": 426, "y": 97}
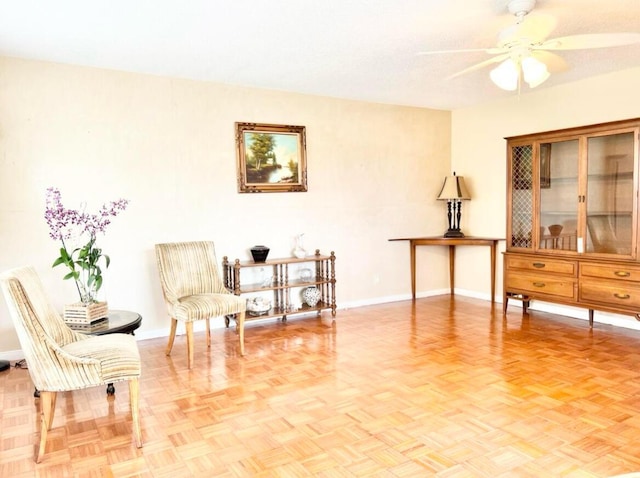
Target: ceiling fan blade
{"x": 490, "y": 51}
{"x": 589, "y": 40}
{"x": 538, "y": 26}
{"x": 477, "y": 66}
{"x": 534, "y": 27}
{"x": 555, "y": 63}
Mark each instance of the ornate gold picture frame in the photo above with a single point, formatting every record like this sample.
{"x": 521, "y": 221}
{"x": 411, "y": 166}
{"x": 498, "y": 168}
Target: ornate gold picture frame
{"x": 271, "y": 158}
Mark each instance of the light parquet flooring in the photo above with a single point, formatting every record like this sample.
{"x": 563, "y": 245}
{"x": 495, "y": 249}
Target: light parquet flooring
{"x": 437, "y": 387}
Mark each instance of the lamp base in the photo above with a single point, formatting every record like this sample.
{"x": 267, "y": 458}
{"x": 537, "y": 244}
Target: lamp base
{"x": 453, "y": 233}
{"x": 4, "y": 365}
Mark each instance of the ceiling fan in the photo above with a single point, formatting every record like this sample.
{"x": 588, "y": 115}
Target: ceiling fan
{"x": 524, "y": 52}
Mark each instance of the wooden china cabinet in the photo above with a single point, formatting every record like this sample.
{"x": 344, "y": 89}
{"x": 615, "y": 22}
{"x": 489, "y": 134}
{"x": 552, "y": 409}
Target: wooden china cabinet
{"x": 572, "y": 218}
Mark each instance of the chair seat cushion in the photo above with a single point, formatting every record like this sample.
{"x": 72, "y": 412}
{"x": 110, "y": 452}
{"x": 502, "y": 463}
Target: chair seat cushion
{"x": 117, "y": 355}
{"x": 207, "y": 306}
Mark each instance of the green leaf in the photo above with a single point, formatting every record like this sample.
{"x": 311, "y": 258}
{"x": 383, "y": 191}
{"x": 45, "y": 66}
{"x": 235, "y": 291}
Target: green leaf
{"x": 58, "y": 261}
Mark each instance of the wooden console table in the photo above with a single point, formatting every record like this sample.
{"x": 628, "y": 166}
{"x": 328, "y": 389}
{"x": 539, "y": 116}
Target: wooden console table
{"x": 452, "y": 242}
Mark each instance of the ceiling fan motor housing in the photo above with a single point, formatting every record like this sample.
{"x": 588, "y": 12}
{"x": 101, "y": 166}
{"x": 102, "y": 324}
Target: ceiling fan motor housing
{"x": 520, "y": 8}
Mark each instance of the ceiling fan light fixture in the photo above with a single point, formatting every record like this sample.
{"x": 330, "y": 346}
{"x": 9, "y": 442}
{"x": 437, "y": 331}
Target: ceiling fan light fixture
{"x": 534, "y": 71}
{"x": 505, "y": 75}
{"x": 524, "y": 54}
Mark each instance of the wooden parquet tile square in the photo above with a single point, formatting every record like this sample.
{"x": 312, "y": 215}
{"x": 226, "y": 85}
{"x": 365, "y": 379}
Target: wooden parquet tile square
{"x": 437, "y": 387}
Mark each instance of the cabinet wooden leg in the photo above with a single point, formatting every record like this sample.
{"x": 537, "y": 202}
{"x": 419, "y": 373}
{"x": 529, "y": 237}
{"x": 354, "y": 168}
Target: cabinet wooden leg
{"x": 591, "y": 318}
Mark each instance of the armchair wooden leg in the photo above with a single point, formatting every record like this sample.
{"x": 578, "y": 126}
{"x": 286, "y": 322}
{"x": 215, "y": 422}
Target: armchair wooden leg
{"x": 53, "y": 409}
{"x": 172, "y": 335}
{"x": 47, "y": 405}
{"x": 240, "y": 325}
{"x": 189, "y": 344}
{"x": 134, "y": 394}
{"x": 208, "y": 334}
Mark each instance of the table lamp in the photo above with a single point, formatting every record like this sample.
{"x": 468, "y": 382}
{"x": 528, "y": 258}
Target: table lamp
{"x": 454, "y": 191}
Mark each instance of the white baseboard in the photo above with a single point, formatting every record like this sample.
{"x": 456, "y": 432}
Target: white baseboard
{"x": 574, "y": 312}
{"x": 12, "y": 355}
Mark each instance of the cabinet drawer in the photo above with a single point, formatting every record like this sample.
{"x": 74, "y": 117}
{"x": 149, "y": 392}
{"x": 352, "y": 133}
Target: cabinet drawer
{"x": 542, "y": 284}
{"x": 539, "y": 264}
{"x": 623, "y": 272}
{"x": 612, "y": 293}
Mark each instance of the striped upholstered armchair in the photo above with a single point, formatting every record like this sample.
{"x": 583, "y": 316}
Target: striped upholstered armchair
{"x": 193, "y": 290}
{"x": 60, "y": 359}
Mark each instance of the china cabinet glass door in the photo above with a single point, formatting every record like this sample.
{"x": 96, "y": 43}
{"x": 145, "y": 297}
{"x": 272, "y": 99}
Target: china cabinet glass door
{"x": 521, "y": 192}
{"x": 610, "y": 194}
{"x": 559, "y": 195}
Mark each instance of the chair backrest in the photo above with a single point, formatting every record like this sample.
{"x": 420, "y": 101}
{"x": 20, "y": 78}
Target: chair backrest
{"x": 40, "y": 328}
{"x": 188, "y": 268}
{"x": 604, "y": 237}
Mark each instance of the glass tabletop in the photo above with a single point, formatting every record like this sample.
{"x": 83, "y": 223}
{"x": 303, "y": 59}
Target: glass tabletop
{"x": 117, "y": 321}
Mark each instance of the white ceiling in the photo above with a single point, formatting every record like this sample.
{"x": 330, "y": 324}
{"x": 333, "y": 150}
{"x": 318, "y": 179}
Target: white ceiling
{"x": 357, "y": 49}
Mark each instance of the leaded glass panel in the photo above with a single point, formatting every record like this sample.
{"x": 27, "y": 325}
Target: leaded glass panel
{"x": 522, "y": 196}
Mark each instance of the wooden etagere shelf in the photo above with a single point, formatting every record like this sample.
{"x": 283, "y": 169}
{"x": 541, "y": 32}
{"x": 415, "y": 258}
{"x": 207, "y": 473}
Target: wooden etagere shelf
{"x": 284, "y": 281}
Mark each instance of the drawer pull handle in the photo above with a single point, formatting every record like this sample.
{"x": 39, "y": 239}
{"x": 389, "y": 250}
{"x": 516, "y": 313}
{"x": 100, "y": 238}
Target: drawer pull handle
{"x": 622, "y": 273}
{"x": 622, "y": 296}
{"x": 538, "y": 265}
{"x": 538, "y": 284}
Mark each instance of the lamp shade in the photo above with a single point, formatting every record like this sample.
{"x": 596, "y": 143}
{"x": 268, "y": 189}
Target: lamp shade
{"x": 454, "y": 188}
{"x": 534, "y": 71}
{"x": 506, "y": 75}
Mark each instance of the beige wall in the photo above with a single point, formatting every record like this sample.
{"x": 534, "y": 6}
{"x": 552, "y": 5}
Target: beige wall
{"x": 168, "y": 146}
{"x": 479, "y": 150}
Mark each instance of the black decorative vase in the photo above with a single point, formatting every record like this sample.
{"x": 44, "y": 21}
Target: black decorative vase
{"x": 259, "y": 253}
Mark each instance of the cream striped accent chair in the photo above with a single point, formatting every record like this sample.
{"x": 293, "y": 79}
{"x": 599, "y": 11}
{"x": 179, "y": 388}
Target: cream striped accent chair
{"x": 193, "y": 290}
{"x": 62, "y": 360}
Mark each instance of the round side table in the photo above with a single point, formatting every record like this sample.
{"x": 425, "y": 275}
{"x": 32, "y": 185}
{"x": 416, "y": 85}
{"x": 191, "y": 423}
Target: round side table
{"x": 116, "y": 322}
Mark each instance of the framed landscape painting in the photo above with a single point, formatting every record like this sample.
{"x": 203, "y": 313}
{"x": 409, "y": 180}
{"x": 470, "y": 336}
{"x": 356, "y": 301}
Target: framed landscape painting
{"x": 271, "y": 158}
